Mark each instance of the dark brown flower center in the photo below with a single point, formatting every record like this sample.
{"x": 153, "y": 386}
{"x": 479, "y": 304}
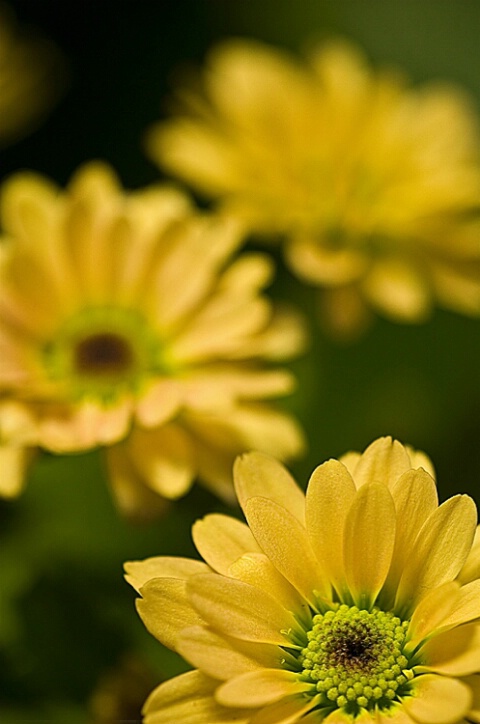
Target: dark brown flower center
{"x": 103, "y": 354}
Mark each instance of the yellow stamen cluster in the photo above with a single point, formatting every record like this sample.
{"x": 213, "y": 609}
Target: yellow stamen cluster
{"x": 356, "y": 660}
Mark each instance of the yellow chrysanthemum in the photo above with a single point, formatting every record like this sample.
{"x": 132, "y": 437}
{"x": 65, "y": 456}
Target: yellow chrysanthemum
{"x": 357, "y": 602}
{"x": 353, "y": 168}
{"x": 30, "y": 79}
{"x": 125, "y": 323}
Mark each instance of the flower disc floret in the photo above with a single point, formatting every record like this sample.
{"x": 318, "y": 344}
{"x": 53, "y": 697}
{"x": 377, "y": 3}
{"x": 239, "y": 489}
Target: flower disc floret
{"x": 356, "y": 659}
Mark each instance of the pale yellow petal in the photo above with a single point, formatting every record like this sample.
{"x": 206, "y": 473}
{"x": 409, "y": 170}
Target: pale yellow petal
{"x": 188, "y": 699}
{"x": 284, "y": 540}
{"x": 329, "y": 496}
{"x": 369, "y": 539}
{"x": 236, "y": 608}
{"x": 285, "y": 711}
{"x": 220, "y": 540}
{"x": 440, "y": 550}
{"x": 222, "y": 656}
{"x": 319, "y": 264}
{"x": 474, "y": 683}
{"x": 467, "y": 606}
{"x": 383, "y": 462}
{"x": 259, "y": 688}
{"x": 257, "y": 474}
{"x": 432, "y": 610}
{"x": 159, "y": 403}
{"x": 415, "y": 498}
{"x": 438, "y": 700}
{"x": 14, "y": 462}
{"x": 138, "y": 573}
{"x": 471, "y": 569}
{"x": 398, "y": 289}
{"x": 258, "y": 570}
{"x": 165, "y": 609}
{"x": 455, "y": 652}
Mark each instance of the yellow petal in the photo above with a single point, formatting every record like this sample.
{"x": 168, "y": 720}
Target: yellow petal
{"x": 159, "y": 403}
{"x": 329, "y": 495}
{"x": 236, "y": 608}
{"x": 474, "y": 683}
{"x": 284, "y": 540}
{"x": 383, "y": 462}
{"x": 257, "y": 570}
{"x": 438, "y": 700}
{"x": 139, "y": 572}
{"x": 415, "y": 498}
{"x": 286, "y": 711}
{"x": 14, "y": 461}
{"x": 321, "y": 265}
{"x": 455, "y": 652}
{"x": 467, "y": 606}
{"x": 471, "y": 570}
{"x": 165, "y": 609}
{"x": 398, "y": 290}
{"x": 222, "y": 656}
{"x": 368, "y": 542}
{"x": 188, "y": 699}
{"x": 440, "y": 549}
{"x": 257, "y": 474}
{"x": 432, "y": 610}
{"x": 259, "y": 688}
{"x": 220, "y": 540}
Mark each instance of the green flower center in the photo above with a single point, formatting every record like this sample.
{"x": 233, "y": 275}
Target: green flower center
{"x": 102, "y": 352}
{"x": 356, "y": 659}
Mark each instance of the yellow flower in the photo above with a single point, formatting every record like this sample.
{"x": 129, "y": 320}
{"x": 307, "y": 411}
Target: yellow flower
{"x": 30, "y": 79}
{"x": 126, "y": 324}
{"x": 354, "y": 169}
{"x": 359, "y": 601}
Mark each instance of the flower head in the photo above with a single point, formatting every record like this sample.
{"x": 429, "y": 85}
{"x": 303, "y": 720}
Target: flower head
{"x": 359, "y": 601}
{"x": 31, "y": 73}
{"x": 354, "y": 169}
{"x": 126, "y": 323}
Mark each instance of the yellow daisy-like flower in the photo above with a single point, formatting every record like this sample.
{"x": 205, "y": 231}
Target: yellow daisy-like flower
{"x": 30, "y": 79}
{"x": 357, "y": 602}
{"x": 127, "y": 323}
{"x": 352, "y": 167}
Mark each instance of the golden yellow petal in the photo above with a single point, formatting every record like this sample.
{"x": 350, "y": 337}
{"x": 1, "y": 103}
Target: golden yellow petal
{"x": 220, "y": 540}
{"x": 440, "y": 550}
{"x": 159, "y": 403}
{"x": 284, "y": 540}
{"x": 236, "y": 608}
{"x": 138, "y": 573}
{"x": 286, "y": 711}
{"x": 383, "y": 462}
{"x": 258, "y": 570}
{"x": 165, "y": 609}
{"x": 188, "y": 699}
{"x": 438, "y": 700}
{"x": 415, "y": 498}
{"x": 398, "y": 290}
{"x": 471, "y": 569}
{"x": 432, "y": 610}
{"x": 259, "y": 688}
{"x": 474, "y": 683}
{"x": 222, "y": 656}
{"x": 467, "y": 606}
{"x": 369, "y": 539}
{"x": 316, "y": 263}
{"x": 455, "y": 652}
{"x": 329, "y": 496}
{"x": 14, "y": 461}
{"x": 257, "y": 474}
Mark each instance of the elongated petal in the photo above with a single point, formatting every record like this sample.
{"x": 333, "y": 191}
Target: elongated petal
{"x": 432, "y": 610}
{"x": 438, "y": 700}
{"x": 415, "y": 498}
{"x": 165, "y": 609}
{"x": 222, "y": 656}
{"x": 383, "y": 462}
{"x": 220, "y": 540}
{"x": 285, "y": 711}
{"x": 259, "y": 688}
{"x": 285, "y": 542}
{"x": 188, "y": 699}
{"x": 234, "y": 607}
{"x": 471, "y": 570}
{"x": 467, "y": 607}
{"x": 330, "y": 493}
{"x": 440, "y": 549}
{"x": 368, "y": 542}
{"x": 139, "y": 572}
{"x": 455, "y": 652}
{"x": 257, "y": 474}
{"x": 259, "y": 571}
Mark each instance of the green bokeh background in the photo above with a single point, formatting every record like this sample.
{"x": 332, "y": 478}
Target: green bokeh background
{"x": 67, "y": 618}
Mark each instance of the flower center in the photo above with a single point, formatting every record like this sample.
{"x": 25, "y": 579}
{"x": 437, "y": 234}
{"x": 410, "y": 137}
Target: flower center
{"x": 356, "y": 659}
{"x": 103, "y": 351}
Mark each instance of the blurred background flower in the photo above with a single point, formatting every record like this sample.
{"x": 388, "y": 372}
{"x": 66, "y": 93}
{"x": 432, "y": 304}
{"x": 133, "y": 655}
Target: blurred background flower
{"x": 66, "y": 616}
{"x": 127, "y": 325}
{"x": 355, "y": 170}
{"x": 32, "y": 76}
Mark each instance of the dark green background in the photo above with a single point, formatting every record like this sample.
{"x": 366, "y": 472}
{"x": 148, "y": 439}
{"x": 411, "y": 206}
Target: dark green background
{"x": 66, "y": 616}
